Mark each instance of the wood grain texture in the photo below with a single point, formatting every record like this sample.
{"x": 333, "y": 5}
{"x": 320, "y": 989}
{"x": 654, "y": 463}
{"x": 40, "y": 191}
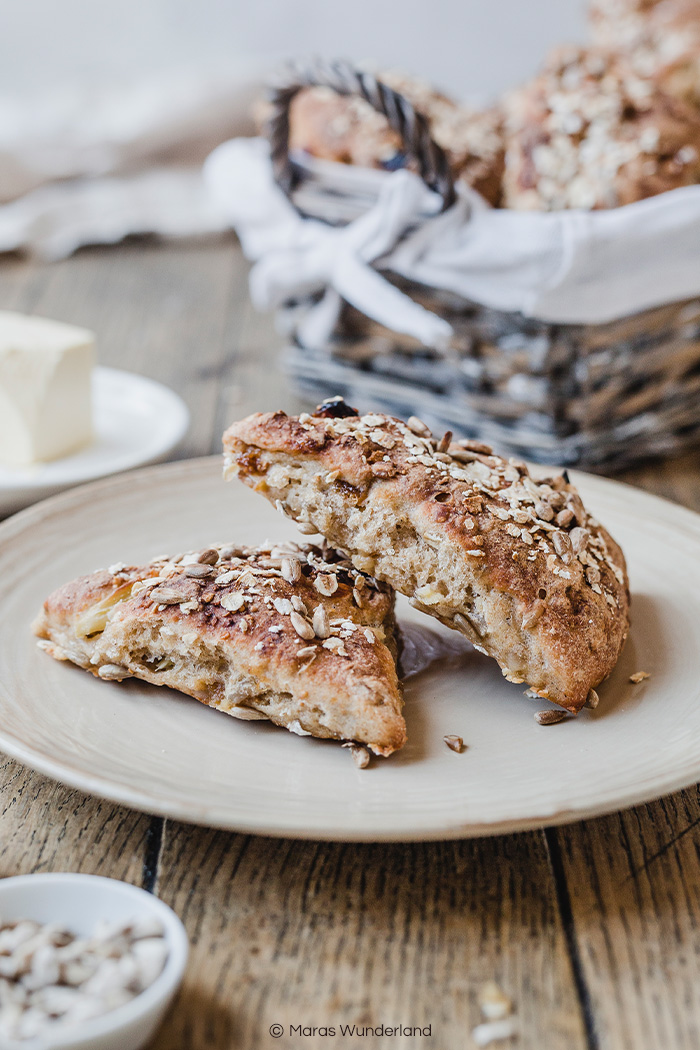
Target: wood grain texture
{"x": 254, "y": 380}
{"x": 149, "y": 306}
{"x": 634, "y": 885}
{"x": 632, "y": 881}
{"x": 45, "y": 826}
{"x": 157, "y": 310}
{"x": 325, "y": 934}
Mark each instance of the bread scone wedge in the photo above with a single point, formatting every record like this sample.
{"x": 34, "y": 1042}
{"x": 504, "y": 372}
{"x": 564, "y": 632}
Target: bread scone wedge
{"x": 294, "y": 634}
{"x": 515, "y": 564}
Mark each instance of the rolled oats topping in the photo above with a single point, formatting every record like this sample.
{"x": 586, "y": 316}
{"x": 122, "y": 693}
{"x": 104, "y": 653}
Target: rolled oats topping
{"x": 591, "y": 132}
{"x": 360, "y": 755}
{"x": 452, "y": 526}
{"x": 233, "y": 601}
{"x": 546, "y": 514}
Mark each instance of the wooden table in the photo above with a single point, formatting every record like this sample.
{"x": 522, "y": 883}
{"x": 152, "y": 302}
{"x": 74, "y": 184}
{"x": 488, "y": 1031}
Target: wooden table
{"x": 593, "y": 929}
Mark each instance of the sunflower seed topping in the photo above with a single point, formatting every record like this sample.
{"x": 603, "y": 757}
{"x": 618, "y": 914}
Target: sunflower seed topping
{"x": 321, "y": 624}
{"x": 544, "y": 511}
{"x": 302, "y": 627}
{"x": 562, "y": 545}
{"x": 579, "y": 539}
{"x": 166, "y": 596}
{"x": 564, "y": 518}
{"x": 198, "y": 572}
{"x": 231, "y": 551}
{"x": 208, "y": 557}
{"x": 592, "y": 700}
{"x": 550, "y": 717}
{"x": 455, "y": 743}
{"x": 417, "y": 426}
{"x": 533, "y": 614}
{"x": 360, "y": 755}
{"x": 113, "y": 672}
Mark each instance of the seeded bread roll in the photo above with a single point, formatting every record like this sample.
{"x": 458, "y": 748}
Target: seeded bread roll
{"x": 591, "y": 133}
{"x": 659, "y": 38}
{"x": 291, "y": 634}
{"x": 515, "y": 564}
{"x": 611, "y": 11}
{"x": 347, "y": 129}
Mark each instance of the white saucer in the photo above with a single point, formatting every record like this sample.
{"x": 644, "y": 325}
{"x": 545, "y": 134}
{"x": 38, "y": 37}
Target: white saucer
{"x": 137, "y": 421}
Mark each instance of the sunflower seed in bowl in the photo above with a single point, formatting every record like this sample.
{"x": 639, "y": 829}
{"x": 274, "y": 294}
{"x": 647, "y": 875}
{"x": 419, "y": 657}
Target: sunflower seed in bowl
{"x": 85, "y": 962}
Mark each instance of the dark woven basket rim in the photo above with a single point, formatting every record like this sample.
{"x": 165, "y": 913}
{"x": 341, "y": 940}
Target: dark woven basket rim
{"x": 343, "y": 78}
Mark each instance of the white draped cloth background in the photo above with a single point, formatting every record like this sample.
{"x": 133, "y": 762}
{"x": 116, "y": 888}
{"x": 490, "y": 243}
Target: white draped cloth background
{"x": 81, "y": 166}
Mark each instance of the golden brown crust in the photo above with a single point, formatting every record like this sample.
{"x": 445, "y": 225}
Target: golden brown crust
{"x": 293, "y": 634}
{"x": 659, "y": 39}
{"x": 590, "y": 132}
{"x": 347, "y": 129}
{"x": 517, "y": 565}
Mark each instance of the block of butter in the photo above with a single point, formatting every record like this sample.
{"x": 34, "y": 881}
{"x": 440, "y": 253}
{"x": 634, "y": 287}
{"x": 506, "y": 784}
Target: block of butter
{"x": 45, "y": 403}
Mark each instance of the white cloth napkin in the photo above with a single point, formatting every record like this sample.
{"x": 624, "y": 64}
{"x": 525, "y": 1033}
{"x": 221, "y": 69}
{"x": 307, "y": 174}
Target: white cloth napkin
{"x": 568, "y": 267}
{"x": 80, "y": 167}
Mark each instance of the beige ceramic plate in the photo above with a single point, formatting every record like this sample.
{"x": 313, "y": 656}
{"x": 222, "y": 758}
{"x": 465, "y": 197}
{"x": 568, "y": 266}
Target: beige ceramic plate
{"x": 158, "y": 751}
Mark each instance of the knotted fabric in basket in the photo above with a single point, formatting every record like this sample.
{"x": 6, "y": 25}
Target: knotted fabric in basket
{"x": 571, "y": 336}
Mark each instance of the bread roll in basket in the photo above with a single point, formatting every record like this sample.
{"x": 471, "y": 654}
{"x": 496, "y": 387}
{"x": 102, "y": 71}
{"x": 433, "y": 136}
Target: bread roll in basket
{"x": 567, "y": 336}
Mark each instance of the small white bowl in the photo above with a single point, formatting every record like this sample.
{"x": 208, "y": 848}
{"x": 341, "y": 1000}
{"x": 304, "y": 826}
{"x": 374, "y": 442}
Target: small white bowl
{"x": 79, "y": 902}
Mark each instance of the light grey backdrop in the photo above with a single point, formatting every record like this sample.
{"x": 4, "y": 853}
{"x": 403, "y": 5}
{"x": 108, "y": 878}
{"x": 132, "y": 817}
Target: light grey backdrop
{"x": 470, "y": 47}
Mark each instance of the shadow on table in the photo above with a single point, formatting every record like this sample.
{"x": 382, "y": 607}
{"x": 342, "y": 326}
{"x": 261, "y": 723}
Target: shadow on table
{"x": 196, "y": 1021}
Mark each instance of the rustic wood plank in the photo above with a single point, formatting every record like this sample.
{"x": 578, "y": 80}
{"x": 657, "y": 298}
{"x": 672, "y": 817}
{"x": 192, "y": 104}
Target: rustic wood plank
{"x": 254, "y": 380}
{"x": 322, "y": 934}
{"x": 21, "y": 283}
{"x": 675, "y": 479}
{"x": 161, "y": 311}
{"x": 45, "y": 826}
{"x": 632, "y": 883}
{"x": 157, "y": 309}
{"x": 308, "y": 933}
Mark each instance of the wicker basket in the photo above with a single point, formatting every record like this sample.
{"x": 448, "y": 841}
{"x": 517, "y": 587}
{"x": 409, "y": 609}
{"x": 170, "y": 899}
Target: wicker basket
{"x": 600, "y": 396}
